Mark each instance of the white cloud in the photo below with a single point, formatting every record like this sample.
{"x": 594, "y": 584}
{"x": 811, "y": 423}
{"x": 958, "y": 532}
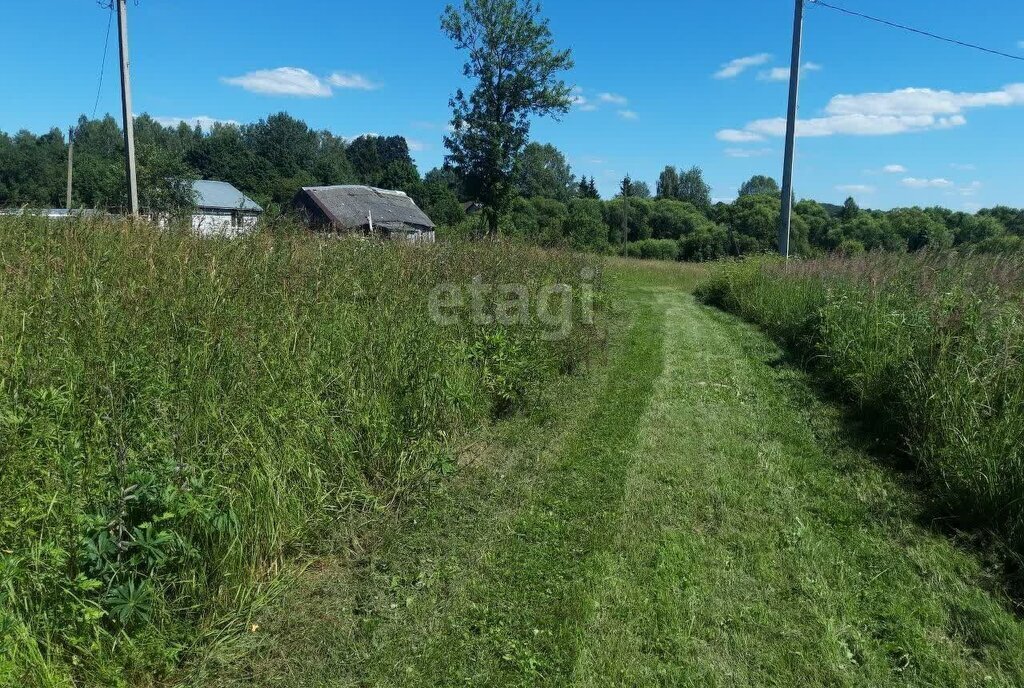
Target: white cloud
{"x": 963, "y": 168}
{"x": 910, "y": 102}
{"x": 416, "y": 145}
{"x": 283, "y": 81}
{"x": 915, "y": 183}
{"x": 856, "y": 188}
{"x": 595, "y": 161}
{"x": 747, "y": 152}
{"x": 349, "y": 80}
{"x": 585, "y": 103}
{"x": 737, "y": 136}
{"x": 203, "y": 121}
{"x": 628, "y": 114}
{"x": 581, "y": 101}
{"x": 782, "y": 73}
{"x": 733, "y": 69}
{"x": 896, "y": 112}
{"x": 855, "y": 125}
{"x": 613, "y": 98}
{"x": 971, "y": 189}
{"x": 295, "y": 81}
{"x": 775, "y": 74}
{"x": 894, "y": 169}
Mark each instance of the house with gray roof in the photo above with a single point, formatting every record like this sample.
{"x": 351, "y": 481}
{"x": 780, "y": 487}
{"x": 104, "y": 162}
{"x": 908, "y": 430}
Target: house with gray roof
{"x": 364, "y": 210}
{"x": 221, "y": 209}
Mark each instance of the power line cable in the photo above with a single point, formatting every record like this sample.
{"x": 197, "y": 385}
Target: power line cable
{"x": 103, "y": 64}
{"x": 911, "y": 29}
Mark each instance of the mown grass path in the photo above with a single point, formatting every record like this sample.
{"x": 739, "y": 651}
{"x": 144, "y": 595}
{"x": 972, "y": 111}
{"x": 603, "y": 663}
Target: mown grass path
{"x": 689, "y": 515}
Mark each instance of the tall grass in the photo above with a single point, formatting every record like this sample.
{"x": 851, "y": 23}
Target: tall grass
{"x": 931, "y": 347}
{"x": 178, "y": 414}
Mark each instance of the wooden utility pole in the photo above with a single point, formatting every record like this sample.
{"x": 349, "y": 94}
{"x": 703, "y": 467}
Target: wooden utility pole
{"x": 625, "y": 213}
{"x": 794, "y": 88}
{"x": 126, "y": 109}
{"x": 71, "y": 164}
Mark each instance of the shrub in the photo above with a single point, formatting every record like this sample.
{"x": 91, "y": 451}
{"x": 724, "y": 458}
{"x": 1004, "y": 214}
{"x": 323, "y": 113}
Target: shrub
{"x": 708, "y": 243}
{"x": 584, "y": 228}
{"x": 636, "y": 216}
{"x": 654, "y": 249}
{"x": 671, "y": 219}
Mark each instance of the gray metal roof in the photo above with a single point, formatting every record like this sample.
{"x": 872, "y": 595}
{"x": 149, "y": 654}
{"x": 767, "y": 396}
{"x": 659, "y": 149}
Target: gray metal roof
{"x": 352, "y": 206}
{"x": 222, "y": 196}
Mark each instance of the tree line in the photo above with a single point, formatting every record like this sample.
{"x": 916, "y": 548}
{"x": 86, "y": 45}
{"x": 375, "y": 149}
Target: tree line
{"x": 269, "y": 160}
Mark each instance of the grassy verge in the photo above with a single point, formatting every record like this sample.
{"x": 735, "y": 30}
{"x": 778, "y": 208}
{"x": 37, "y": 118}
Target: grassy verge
{"x": 488, "y": 584}
{"x": 179, "y": 415}
{"x": 928, "y": 347}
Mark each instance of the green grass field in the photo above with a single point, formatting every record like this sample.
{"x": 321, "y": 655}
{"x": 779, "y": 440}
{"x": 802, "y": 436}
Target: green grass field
{"x": 269, "y": 462}
{"x": 686, "y": 511}
{"x": 181, "y": 417}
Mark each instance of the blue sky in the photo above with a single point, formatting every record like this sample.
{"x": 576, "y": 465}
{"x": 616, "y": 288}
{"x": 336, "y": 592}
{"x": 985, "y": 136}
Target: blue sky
{"x": 659, "y": 82}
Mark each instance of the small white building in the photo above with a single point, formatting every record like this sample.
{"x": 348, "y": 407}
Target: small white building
{"x": 223, "y": 210}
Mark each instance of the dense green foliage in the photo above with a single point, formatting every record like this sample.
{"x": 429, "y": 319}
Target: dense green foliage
{"x": 270, "y": 160}
{"x": 749, "y": 225}
{"x": 178, "y": 414}
{"x": 930, "y": 347}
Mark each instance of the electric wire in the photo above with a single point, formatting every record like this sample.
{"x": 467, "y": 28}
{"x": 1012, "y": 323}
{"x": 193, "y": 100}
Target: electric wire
{"x": 911, "y": 29}
{"x": 103, "y": 64}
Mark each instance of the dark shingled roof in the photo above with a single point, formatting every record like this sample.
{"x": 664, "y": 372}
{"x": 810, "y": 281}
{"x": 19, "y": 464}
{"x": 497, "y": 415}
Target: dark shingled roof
{"x": 350, "y": 207}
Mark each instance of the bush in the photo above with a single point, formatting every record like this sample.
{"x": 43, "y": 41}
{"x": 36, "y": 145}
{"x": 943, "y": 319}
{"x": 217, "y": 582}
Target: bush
{"x": 670, "y": 219}
{"x": 584, "y": 227}
{"x": 550, "y": 216}
{"x": 930, "y": 347}
{"x": 179, "y": 414}
{"x": 636, "y": 216}
{"x": 654, "y": 249}
{"x": 709, "y": 243}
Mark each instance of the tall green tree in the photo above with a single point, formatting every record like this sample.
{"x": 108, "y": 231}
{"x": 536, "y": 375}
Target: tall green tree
{"x": 588, "y": 189}
{"x": 626, "y": 187}
{"x": 513, "y": 60}
{"x": 760, "y": 184}
{"x": 850, "y": 210}
{"x": 693, "y": 189}
{"x": 641, "y": 190}
{"x": 542, "y": 170}
{"x": 668, "y": 183}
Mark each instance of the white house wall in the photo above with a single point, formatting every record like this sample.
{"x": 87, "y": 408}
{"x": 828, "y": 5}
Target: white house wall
{"x": 209, "y": 223}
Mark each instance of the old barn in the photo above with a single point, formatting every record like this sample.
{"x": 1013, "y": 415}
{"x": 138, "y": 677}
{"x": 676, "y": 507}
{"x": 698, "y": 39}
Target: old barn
{"x": 364, "y": 210}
